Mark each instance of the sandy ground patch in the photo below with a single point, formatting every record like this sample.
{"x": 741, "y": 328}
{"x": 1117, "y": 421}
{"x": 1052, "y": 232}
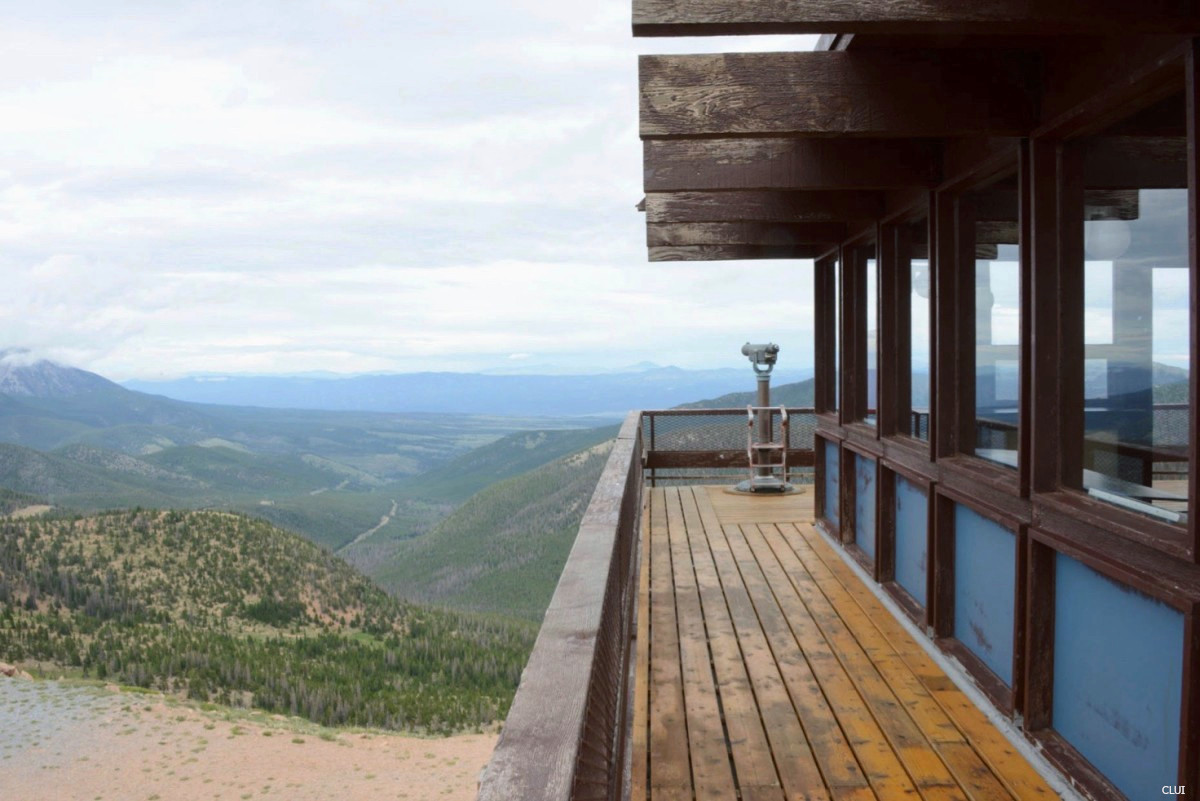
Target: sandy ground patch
{"x": 30, "y": 511}
{"x": 60, "y": 742}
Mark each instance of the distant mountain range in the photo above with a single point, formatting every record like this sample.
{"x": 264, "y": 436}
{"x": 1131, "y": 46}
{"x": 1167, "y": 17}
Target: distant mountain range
{"x": 611, "y": 394}
{"x": 86, "y": 443}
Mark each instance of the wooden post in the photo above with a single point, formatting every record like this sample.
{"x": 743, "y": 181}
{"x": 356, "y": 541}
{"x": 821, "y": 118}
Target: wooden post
{"x": 941, "y": 568}
{"x": 942, "y": 311}
{"x": 890, "y": 361}
{"x": 1192, "y": 93}
{"x": 1189, "y": 721}
{"x": 824, "y": 321}
{"x": 1039, "y": 636}
{"x": 1040, "y": 298}
{"x": 1070, "y": 323}
{"x": 847, "y": 405}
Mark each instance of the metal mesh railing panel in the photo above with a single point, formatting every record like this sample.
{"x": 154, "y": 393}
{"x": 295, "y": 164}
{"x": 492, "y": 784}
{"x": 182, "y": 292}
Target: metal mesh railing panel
{"x": 713, "y": 431}
{"x": 724, "y": 429}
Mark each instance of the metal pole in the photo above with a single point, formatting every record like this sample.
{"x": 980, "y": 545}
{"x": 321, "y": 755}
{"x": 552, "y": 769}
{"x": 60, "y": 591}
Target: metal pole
{"x": 764, "y": 417}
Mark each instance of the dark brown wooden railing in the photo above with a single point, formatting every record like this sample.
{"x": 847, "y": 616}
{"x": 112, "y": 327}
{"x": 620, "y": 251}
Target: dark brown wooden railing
{"x": 565, "y": 733}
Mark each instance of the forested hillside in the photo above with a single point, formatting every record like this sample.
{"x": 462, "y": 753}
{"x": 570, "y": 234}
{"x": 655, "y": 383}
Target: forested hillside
{"x": 503, "y": 549}
{"x": 230, "y": 609}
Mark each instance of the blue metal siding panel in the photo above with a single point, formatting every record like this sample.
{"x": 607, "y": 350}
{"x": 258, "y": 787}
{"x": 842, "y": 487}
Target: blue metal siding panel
{"x": 1118, "y": 675}
{"x": 833, "y": 481}
{"x": 912, "y": 525}
{"x": 864, "y": 504}
{"x": 984, "y": 589}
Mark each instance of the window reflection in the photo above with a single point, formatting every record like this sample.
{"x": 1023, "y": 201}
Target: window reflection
{"x": 991, "y": 213}
{"x": 1136, "y": 313}
{"x": 912, "y": 249}
{"x": 1137, "y": 351}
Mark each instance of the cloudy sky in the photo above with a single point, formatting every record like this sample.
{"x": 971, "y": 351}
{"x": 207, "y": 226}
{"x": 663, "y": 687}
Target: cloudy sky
{"x": 348, "y": 186}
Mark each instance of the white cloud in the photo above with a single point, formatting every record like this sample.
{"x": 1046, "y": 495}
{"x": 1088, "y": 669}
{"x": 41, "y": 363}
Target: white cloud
{"x": 311, "y": 185}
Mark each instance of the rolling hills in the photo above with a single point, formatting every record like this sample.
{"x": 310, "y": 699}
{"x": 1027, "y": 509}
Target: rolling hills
{"x": 500, "y": 551}
{"x": 89, "y": 444}
{"x": 229, "y": 609}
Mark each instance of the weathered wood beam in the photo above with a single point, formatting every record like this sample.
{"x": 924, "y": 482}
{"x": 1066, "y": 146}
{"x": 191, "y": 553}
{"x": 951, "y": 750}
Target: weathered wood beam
{"x": 1136, "y": 162}
{"x": 924, "y": 17}
{"x": 818, "y": 206}
{"x": 781, "y": 163}
{"x": 735, "y": 252}
{"x": 743, "y": 233}
{"x": 870, "y": 93}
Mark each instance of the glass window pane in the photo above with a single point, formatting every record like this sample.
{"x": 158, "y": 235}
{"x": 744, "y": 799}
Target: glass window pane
{"x": 917, "y": 405}
{"x": 1136, "y": 313}
{"x": 992, "y": 214}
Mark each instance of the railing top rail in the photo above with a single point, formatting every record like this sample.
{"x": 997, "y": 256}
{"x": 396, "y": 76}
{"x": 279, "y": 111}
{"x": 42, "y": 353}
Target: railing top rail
{"x": 740, "y": 410}
{"x": 539, "y": 749}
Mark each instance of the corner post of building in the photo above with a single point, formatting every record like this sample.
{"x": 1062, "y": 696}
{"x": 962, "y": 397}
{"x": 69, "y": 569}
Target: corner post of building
{"x": 850, "y": 405}
{"x": 1189, "y": 734}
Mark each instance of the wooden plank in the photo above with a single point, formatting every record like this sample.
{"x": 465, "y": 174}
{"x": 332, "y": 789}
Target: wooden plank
{"x": 743, "y": 233}
{"x": 789, "y": 163}
{"x": 1002, "y": 758}
{"x": 639, "y": 760}
{"x": 712, "y": 775}
{"x": 919, "y": 758}
{"x": 1039, "y": 18}
{"x": 748, "y": 742}
{"x": 669, "y": 769}
{"x": 735, "y": 508}
{"x": 967, "y": 768}
{"x": 761, "y": 206}
{"x": 870, "y": 93}
{"x": 879, "y": 763}
{"x": 735, "y": 252}
{"x": 791, "y": 747}
{"x": 830, "y": 747}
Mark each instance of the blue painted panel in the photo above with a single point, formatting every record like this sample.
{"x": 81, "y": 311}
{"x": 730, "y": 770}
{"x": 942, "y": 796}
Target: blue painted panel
{"x": 912, "y": 523}
{"x": 985, "y": 576}
{"x": 1118, "y": 675}
{"x": 864, "y": 504}
{"x": 833, "y": 483}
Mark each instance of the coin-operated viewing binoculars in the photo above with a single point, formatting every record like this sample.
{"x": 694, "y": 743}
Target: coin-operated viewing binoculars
{"x": 764, "y": 452}
{"x": 763, "y": 357}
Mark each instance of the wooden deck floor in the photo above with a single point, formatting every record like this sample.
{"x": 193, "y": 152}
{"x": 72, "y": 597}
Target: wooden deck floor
{"x": 767, "y": 670}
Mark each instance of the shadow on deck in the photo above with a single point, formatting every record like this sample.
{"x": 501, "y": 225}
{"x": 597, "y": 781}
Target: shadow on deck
{"x": 765, "y": 668}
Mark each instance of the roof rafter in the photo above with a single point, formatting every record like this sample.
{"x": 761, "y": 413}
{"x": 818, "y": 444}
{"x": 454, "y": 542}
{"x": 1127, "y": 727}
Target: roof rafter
{"x": 927, "y": 17}
{"x": 743, "y": 233}
{"x": 785, "y": 163}
{"x": 758, "y": 206}
{"x": 896, "y": 94}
